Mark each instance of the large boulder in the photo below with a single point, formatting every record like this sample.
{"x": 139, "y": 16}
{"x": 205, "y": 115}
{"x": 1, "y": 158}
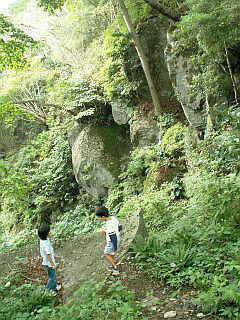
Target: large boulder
{"x": 97, "y": 155}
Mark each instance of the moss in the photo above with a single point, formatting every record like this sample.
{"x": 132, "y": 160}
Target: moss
{"x": 116, "y": 147}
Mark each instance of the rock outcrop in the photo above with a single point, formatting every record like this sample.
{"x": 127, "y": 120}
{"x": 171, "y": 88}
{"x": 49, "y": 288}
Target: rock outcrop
{"x": 180, "y": 71}
{"x": 144, "y": 131}
{"x": 97, "y": 155}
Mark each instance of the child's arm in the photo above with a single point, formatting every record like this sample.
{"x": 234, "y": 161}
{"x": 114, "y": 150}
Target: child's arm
{"x": 53, "y": 265}
{"x": 58, "y": 260}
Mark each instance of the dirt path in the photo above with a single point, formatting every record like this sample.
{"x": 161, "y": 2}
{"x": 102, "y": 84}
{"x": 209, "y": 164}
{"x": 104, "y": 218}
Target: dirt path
{"x": 158, "y": 299}
{"x": 83, "y": 261}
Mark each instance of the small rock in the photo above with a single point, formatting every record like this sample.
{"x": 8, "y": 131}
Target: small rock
{"x": 154, "y": 308}
{"x": 151, "y": 301}
{"x": 200, "y": 315}
{"x": 8, "y": 284}
{"x": 170, "y": 314}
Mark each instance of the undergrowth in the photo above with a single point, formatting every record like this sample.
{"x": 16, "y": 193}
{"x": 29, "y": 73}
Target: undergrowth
{"x": 191, "y": 213}
{"x": 26, "y": 301}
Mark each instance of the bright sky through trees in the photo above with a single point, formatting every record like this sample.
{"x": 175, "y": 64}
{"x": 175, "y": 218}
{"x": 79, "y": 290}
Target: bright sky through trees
{"x": 4, "y": 4}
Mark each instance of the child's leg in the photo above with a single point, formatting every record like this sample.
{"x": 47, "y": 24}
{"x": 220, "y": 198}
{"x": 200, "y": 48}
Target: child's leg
{"x": 52, "y": 279}
{"x": 111, "y": 259}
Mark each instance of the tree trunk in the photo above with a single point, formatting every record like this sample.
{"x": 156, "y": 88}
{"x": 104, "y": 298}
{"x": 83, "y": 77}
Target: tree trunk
{"x": 142, "y": 57}
{"x": 235, "y": 89}
{"x": 163, "y": 10}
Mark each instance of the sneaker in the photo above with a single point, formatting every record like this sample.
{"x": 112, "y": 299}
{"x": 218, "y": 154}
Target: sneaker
{"x": 59, "y": 287}
{"x": 50, "y": 293}
{"x": 115, "y": 272}
{"x": 110, "y": 269}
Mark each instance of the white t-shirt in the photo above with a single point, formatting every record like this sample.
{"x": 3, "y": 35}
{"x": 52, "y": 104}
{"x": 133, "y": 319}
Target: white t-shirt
{"x": 111, "y": 226}
{"x": 46, "y": 249}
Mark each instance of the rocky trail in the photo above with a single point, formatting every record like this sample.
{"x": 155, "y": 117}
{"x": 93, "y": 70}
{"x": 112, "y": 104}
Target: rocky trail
{"x": 83, "y": 261}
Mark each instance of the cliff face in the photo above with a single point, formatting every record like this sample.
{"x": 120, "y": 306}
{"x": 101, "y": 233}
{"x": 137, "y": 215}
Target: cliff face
{"x": 97, "y": 161}
{"x": 99, "y": 152}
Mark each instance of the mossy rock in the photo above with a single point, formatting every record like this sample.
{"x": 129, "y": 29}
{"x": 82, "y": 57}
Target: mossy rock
{"x": 98, "y": 154}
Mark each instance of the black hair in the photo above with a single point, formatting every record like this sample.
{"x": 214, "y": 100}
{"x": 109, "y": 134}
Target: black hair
{"x": 43, "y": 231}
{"x": 102, "y": 212}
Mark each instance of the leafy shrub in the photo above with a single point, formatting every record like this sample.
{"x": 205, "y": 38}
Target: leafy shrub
{"x": 215, "y": 198}
{"x": 23, "y": 301}
{"x": 98, "y": 301}
{"x": 222, "y": 298}
{"x": 207, "y": 45}
{"x": 156, "y": 204}
{"x": 173, "y": 140}
{"x": 74, "y": 223}
{"x": 198, "y": 240}
{"x": 40, "y": 181}
{"x": 142, "y": 159}
{"x": 219, "y": 153}
{"x": 165, "y": 121}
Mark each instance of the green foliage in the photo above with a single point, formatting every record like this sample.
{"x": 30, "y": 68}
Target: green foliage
{"x": 51, "y": 6}
{"x": 73, "y": 223}
{"x": 218, "y": 21}
{"x": 81, "y": 99}
{"x": 219, "y": 153}
{"x": 92, "y": 300}
{"x": 53, "y": 94}
{"x": 173, "y": 140}
{"x": 198, "y": 242}
{"x": 165, "y": 120}
{"x": 40, "y": 181}
{"x": 13, "y": 45}
{"x": 211, "y": 193}
{"x": 16, "y": 126}
{"x": 141, "y": 160}
{"x": 222, "y": 298}
{"x": 112, "y": 74}
{"x": 209, "y": 28}
{"x": 157, "y": 205}
{"x": 101, "y": 301}
{"x": 147, "y": 171}
{"x": 122, "y": 74}
{"x": 138, "y": 11}
{"x": 23, "y": 301}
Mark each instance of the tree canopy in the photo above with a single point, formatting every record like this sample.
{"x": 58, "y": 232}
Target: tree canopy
{"x": 13, "y": 45}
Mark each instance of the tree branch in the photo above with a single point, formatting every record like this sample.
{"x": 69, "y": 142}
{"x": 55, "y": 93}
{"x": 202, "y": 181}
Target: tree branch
{"x": 163, "y": 10}
{"x": 36, "y": 109}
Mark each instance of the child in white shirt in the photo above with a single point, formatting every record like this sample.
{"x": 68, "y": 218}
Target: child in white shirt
{"x": 48, "y": 258}
{"x": 111, "y": 232}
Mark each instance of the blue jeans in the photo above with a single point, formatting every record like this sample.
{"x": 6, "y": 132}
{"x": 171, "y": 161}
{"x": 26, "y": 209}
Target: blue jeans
{"x": 52, "y": 279}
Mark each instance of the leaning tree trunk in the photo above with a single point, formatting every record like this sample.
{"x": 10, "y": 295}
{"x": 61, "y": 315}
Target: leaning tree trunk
{"x": 142, "y": 57}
